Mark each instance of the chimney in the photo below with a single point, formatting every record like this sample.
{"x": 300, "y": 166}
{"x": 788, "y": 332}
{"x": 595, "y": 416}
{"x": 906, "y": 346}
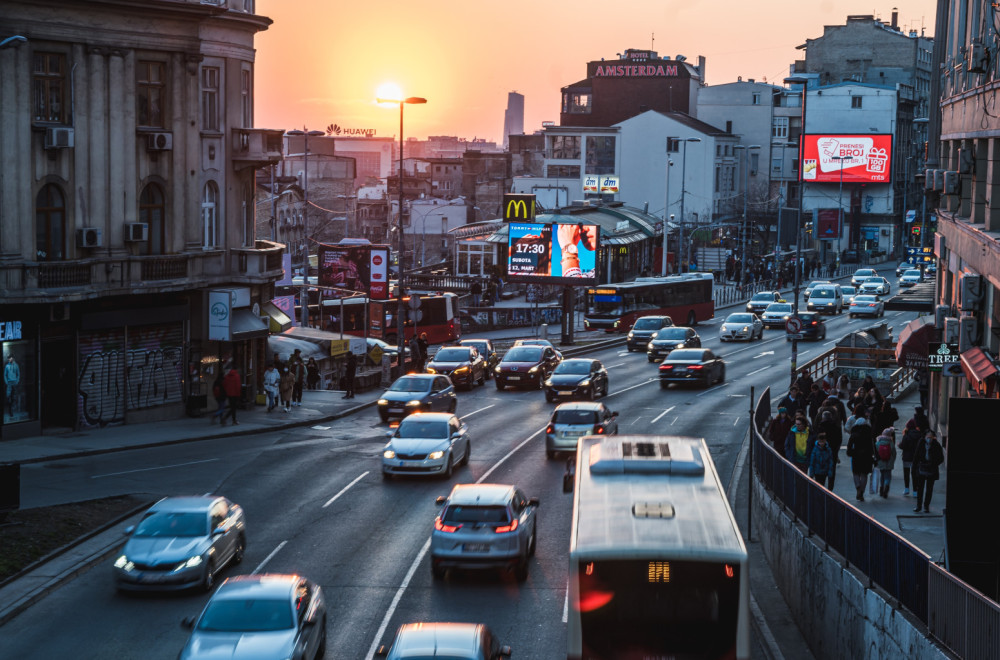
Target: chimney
{"x": 895, "y": 17}
{"x": 701, "y": 69}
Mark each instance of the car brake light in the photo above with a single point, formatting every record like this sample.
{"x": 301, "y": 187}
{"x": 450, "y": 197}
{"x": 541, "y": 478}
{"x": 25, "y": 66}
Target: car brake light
{"x": 694, "y": 367}
{"x": 599, "y": 430}
{"x": 871, "y": 304}
{"x": 666, "y": 367}
{"x": 447, "y": 529}
{"x": 550, "y": 429}
{"x": 814, "y": 323}
{"x": 506, "y": 528}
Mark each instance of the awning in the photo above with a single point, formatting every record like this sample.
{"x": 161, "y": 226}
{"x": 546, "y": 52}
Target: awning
{"x": 912, "y": 346}
{"x": 284, "y": 347}
{"x": 979, "y": 369}
{"x": 244, "y": 324}
{"x": 329, "y": 343}
{"x": 277, "y": 320}
{"x": 917, "y": 298}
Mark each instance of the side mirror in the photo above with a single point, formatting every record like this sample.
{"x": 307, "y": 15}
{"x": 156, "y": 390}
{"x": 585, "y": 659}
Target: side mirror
{"x": 440, "y": 499}
{"x": 129, "y": 530}
{"x": 388, "y": 434}
{"x": 614, "y": 413}
{"x": 187, "y": 622}
{"x": 532, "y": 501}
{"x": 505, "y": 651}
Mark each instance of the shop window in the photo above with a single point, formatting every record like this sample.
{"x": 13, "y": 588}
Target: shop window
{"x": 151, "y": 210}
{"x": 19, "y": 377}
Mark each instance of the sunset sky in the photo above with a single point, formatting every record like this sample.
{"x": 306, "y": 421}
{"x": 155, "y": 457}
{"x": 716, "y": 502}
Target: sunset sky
{"x": 321, "y": 62}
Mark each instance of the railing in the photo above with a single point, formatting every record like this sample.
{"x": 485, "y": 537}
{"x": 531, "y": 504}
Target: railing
{"x": 56, "y": 275}
{"x": 172, "y": 267}
{"x": 455, "y": 283}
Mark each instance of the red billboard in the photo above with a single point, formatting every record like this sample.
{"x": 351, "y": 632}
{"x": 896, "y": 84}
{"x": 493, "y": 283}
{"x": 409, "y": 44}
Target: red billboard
{"x": 856, "y": 158}
{"x": 359, "y": 268}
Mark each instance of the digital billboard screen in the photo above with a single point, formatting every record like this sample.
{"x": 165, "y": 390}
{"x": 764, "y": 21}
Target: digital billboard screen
{"x": 553, "y": 254}
{"x": 360, "y": 268}
{"x": 858, "y": 158}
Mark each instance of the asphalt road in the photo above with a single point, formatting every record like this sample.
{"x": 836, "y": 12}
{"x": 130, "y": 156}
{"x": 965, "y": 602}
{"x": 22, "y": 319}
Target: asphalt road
{"x": 317, "y": 505}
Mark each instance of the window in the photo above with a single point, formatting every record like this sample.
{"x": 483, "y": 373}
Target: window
{"x": 601, "y": 155}
{"x": 856, "y": 101}
{"x": 246, "y": 99}
{"x": 779, "y": 128}
{"x": 565, "y": 147}
{"x": 49, "y": 88}
{"x": 756, "y": 98}
{"x": 776, "y": 165}
{"x": 563, "y": 171}
{"x": 50, "y": 224}
{"x": 210, "y": 98}
{"x": 673, "y": 145}
{"x": 210, "y": 215}
{"x": 576, "y": 103}
{"x": 151, "y": 208}
{"x": 754, "y": 163}
{"x": 150, "y": 92}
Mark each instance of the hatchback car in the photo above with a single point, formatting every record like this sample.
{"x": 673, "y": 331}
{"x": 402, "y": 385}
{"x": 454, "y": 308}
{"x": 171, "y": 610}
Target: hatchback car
{"x": 428, "y": 443}
{"x": 826, "y": 299}
{"x": 463, "y": 364}
{"x": 260, "y": 616}
{"x": 571, "y": 421}
{"x": 910, "y": 278}
{"x": 538, "y": 342}
{"x": 455, "y": 641}
{"x": 668, "y": 339}
{"x": 180, "y": 543}
{"x": 644, "y": 328}
{"x": 813, "y": 326}
{"x": 579, "y": 377}
{"x": 849, "y": 293}
{"x": 741, "y": 326}
{"x": 692, "y": 365}
{"x": 526, "y": 366}
{"x": 417, "y": 393}
{"x": 776, "y": 314}
{"x": 812, "y": 285}
{"x": 484, "y": 526}
{"x": 861, "y": 274}
{"x": 878, "y": 286}
{"x": 487, "y": 350}
{"x": 761, "y": 300}
{"x": 867, "y": 306}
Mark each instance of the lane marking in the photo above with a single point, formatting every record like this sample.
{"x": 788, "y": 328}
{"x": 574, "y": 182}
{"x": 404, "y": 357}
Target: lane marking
{"x": 760, "y": 370}
{"x": 763, "y": 354}
{"x": 344, "y": 489}
{"x": 657, "y": 418}
{"x": 651, "y": 380}
{"x": 476, "y": 411}
{"x": 712, "y": 390}
{"x": 159, "y": 467}
{"x": 612, "y": 366}
{"x": 565, "y": 618}
{"x": 736, "y": 421}
{"x": 397, "y": 598}
{"x": 268, "y": 558}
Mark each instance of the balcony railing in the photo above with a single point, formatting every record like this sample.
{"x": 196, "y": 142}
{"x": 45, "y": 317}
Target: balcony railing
{"x": 60, "y": 275}
{"x": 256, "y": 147}
{"x": 167, "y": 267}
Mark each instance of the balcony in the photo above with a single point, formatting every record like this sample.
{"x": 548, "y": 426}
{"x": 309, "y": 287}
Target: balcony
{"x": 256, "y": 147}
{"x": 259, "y": 264}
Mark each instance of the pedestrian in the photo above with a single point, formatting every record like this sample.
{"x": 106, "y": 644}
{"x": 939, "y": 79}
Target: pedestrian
{"x": 908, "y": 445}
{"x": 844, "y": 388}
{"x": 778, "y": 430}
{"x": 350, "y": 367}
{"x": 285, "y": 387}
{"x": 920, "y": 419}
{"x": 219, "y": 393}
{"x": 829, "y": 384}
{"x": 798, "y": 443}
{"x": 884, "y": 417}
{"x": 312, "y": 374}
{"x": 272, "y": 379}
{"x": 424, "y": 346}
{"x": 416, "y": 356}
{"x": 868, "y": 383}
{"x": 476, "y": 290}
{"x": 836, "y": 404}
{"x": 816, "y": 399}
{"x": 792, "y": 402}
{"x": 804, "y": 382}
{"x": 830, "y": 426}
{"x": 859, "y": 413}
{"x": 233, "y": 388}
{"x": 821, "y": 463}
{"x": 927, "y": 458}
{"x": 298, "y": 369}
{"x": 923, "y": 386}
{"x": 885, "y": 452}
{"x": 861, "y": 449}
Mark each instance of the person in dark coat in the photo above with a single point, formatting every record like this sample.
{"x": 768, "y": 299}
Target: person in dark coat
{"x": 416, "y": 356}
{"x": 884, "y": 417}
{"x": 350, "y": 368}
{"x": 908, "y": 447}
{"x": 821, "y": 463}
{"x": 816, "y": 398}
{"x": 861, "y": 449}
{"x": 778, "y": 431}
{"x": 927, "y": 458}
{"x": 233, "y": 387}
{"x": 219, "y": 394}
{"x": 476, "y": 290}
{"x": 804, "y": 382}
{"x": 831, "y": 427}
{"x": 793, "y": 402}
{"x": 920, "y": 419}
{"x": 312, "y": 373}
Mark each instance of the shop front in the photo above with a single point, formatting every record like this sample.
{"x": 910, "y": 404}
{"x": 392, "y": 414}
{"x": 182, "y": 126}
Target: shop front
{"x": 19, "y": 395}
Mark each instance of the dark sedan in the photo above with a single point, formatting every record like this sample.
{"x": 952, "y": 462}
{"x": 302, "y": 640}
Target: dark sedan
{"x": 487, "y": 350}
{"x": 526, "y": 366}
{"x": 761, "y": 300}
{"x": 692, "y": 365}
{"x": 417, "y": 393}
{"x": 813, "y": 327}
{"x": 644, "y": 328}
{"x": 666, "y": 340}
{"x": 580, "y": 377}
{"x": 463, "y": 364}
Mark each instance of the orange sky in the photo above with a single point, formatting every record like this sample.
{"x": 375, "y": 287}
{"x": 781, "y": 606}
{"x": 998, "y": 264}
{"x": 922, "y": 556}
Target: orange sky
{"x": 321, "y": 62}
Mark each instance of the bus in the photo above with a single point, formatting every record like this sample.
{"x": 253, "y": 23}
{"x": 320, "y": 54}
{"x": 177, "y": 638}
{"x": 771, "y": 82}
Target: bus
{"x": 686, "y": 299}
{"x": 360, "y": 316}
{"x": 657, "y": 565}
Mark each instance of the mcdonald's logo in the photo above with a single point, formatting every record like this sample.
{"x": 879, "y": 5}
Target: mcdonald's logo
{"x": 519, "y": 208}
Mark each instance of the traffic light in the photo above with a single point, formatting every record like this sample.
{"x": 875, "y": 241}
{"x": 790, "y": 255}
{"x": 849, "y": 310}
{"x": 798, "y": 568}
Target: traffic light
{"x": 916, "y": 230}
{"x": 809, "y": 228}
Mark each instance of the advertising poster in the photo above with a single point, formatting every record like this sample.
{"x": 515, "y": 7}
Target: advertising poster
{"x": 553, "y": 254}
{"x": 358, "y": 268}
{"x": 379, "y": 269}
{"x": 856, "y": 158}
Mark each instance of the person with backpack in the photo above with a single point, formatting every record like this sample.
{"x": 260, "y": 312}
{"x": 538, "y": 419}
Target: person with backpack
{"x": 821, "y": 463}
{"x": 861, "y": 449}
{"x": 798, "y": 443}
{"x": 908, "y": 445}
{"x": 885, "y": 452}
{"x": 927, "y": 458}
{"x": 829, "y": 426}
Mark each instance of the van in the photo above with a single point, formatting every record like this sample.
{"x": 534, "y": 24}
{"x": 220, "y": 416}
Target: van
{"x": 826, "y": 299}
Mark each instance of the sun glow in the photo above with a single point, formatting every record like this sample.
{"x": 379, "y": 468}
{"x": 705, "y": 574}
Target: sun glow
{"x": 389, "y": 90}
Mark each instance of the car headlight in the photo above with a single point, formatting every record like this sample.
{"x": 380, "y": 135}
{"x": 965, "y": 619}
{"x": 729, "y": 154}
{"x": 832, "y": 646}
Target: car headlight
{"x": 533, "y": 370}
{"x": 679, "y": 346}
{"x": 414, "y": 404}
{"x": 630, "y": 335}
{"x": 431, "y": 370}
{"x": 190, "y": 563}
{"x": 585, "y": 383}
{"x": 650, "y": 346}
{"x": 462, "y": 370}
{"x": 123, "y": 563}
{"x": 617, "y": 323}
{"x": 745, "y": 328}
{"x": 497, "y": 370}
{"x": 548, "y": 382}
{"x": 388, "y": 453}
{"x": 383, "y": 402}
{"x": 434, "y": 455}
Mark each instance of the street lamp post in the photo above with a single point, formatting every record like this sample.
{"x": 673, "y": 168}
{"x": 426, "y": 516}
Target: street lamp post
{"x": 840, "y": 203}
{"x": 804, "y": 81}
{"x": 743, "y": 224}
{"x": 922, "y": 121}
{"x": 304, "y": 295}
{"x": 684, "y": 190}
{"x": 666, "y": 211}
{"x": 781, "y": 198}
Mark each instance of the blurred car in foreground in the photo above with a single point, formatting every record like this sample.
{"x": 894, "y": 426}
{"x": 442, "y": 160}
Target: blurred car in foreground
{"x": 417, "y": 393}
{"x": 644, "y": 328}
{"x": 463, "y": 364}
{"x": 776, "y": 314}
{"x": 579, "y": 377}
{"x": 867, "y": 306}
{"x": 451, "y": 641}
{"x": 487, "y": 350}
{"x": 692, "y": 365}
{"x": 571, "y": 421}
{"x": 667, "y": 339}
{"x": 761, "y": 300}
{"x": 260, "y": 616}
{"x": 813, "y": 326}
{"x": 526, "y": 366}
{"x": 741, "y": 325}
{"x": 428, "y": 443}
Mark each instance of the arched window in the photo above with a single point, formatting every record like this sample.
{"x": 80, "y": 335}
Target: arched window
{"x": 151, "y": 212}
{"x": 50, "y": 224}
{"x": 210, "y": 215}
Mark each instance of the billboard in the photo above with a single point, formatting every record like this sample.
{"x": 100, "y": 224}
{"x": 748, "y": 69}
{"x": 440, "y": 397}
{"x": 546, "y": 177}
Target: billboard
{"x": 858, "y": 158}
{"x": 361, "y": 268}
{"x": 553, "y": 254}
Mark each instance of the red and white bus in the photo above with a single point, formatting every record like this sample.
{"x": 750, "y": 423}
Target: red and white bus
{"x": 686, "y": 299}
{"x": 438, "y": 317}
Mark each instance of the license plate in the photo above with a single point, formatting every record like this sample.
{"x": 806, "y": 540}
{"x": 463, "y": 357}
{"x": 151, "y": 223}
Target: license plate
{"x": 476, "y": 547}
{"x": 513, "y": 378}
{"x": 565, "y": 392}
{"x": 395, "y": 410}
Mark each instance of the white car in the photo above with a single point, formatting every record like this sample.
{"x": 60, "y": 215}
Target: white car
{"x": 861, "y": 274}
{"x": 878, "y": 286}
{"x": 866, "y": 306}
{"x": 910, "y": 278}
{"x": 849, "y": 293}
{"x": 741, "y": 325}
{"x": 776, "y": 314}
{"x": 427, "y": 443}
{"x": 813, "y": 285}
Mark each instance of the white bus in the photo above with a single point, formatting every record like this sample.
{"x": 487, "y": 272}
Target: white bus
{"x": 657, "y": 565}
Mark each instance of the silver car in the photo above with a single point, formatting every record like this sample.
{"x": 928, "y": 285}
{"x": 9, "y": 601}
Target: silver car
{"x": 866, "y": 306}
{"x": 484, "y": 526}
{"x": 180, "y": 543}
{"x": 571, "y": 421}
{"x": 458, "y": 641}
{"x": 260, "y": 616}
{"x": 776, "y": 314}
{"x": 878, "y": 286}
{"x": 861, "y": 274}
{"x": 414, "y": 393}
{"x": 741, "y": 325}
{"x": 427, "y": 443}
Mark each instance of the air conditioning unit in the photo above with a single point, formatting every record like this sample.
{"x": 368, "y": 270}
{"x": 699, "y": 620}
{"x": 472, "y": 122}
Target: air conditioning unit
{"x": 58, "y": 137}
{"x": 979, "y": 57}
{"x": 929, "y": 179}
{"x": 971, "y": 292}
{"x": 59, "y": 312}
{"x": 952, "y": 183}
{"x": 89, "y": 237}
{"x": 136, "y": 231}
{"x": 950, "y": 335}
{"x": 940, "y": 312}
{"x": 159, "y": 141}
{"x": 968, "y": 332}
{"x": 938, "y": 180}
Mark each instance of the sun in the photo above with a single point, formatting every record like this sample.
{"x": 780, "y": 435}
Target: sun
{"x": 389, "y": 90}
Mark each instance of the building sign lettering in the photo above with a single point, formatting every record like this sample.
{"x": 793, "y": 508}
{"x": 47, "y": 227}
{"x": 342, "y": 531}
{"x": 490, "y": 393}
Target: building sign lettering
{"x": 10, "y": 330}
{"x": 635, "y": 70}
{"x": 518, "y": 208}
{"x": 940, "y": 355}
{"x": 337, "y": 129}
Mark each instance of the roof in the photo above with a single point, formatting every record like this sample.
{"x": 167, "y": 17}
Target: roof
{"x": 188, "y": 503}
{"x": 917, "y": 298}
{"x": 430, "y": 640}
{"x": 428, "y": 417}
{"x": 579, "y": 405}
{"x": 695, "y": 124}
{"x": 480, "y": 494}
{"x": 270, "y": 585}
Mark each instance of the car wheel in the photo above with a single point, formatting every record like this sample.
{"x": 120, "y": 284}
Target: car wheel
{"x": 692, "y": 321}
{"x": 521, "y": 570}
{"x": 664, "y": 384}
{"x": 209, "y": 580}
{"x": 468, "y": 453}
{"x": 453, "y": 406}
{"x": 548, "y": 398}
{"x": 532, "y": 542}
{"x": 823, "y": 336}
{"x": 550, "y": 454}
{"x": 482, "y": 378}
{"x": 628, "y": 348}
{"x": 722, "y": 374}
{"x": 437, "y": 571}
{"x": 241, "y": 546}
{"x": 881, "y": 313}
{"x": 651, "y": 359}
{"x": 449, "y": 468}
{"x": 499, "y": 385}
{"x": 321, "y": 649}
{"x": 592, "y": 393}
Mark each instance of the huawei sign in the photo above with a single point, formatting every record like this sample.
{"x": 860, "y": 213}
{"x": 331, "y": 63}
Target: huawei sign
{"x": 337, "y": 129}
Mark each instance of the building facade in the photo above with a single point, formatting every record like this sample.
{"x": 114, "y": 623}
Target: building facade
{"x": 513, "y": 117}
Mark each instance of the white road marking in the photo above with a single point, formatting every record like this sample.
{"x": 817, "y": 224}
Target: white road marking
{"x": 268, "y": 558}
{"x": 612, "y": 366}
{"x": 657, "y": 418}
{"x": 397, "y": 598}
{"x": 675, "y": 420}
{"x": 763, "y": 354}
{"x": 476, "y": 411}
{"x": 736, "y": 421}
{"x": 759, "y": 370}
{"x": 321, "y": 428}
{"x": 159, "y": 467}
{"x": 712, "y": 390}
{"x": 565, "y": 618}
{"x": 651, "y": 380}
{"x": 345, "y": 488}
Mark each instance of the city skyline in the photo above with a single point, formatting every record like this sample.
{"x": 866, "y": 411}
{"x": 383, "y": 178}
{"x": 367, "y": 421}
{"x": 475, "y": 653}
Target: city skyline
{"x": 427, "y": 55}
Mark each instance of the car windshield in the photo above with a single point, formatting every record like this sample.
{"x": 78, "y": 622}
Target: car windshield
{"x": 763, "y": 296}
{"x": 172, "y": 524}
{"x": 573, "y": 367}
{"x": 740, "y": 318}
{"x": 422, "y": 429}
{"x": 475, "y": 514}
{"x": 779, "y": 308}
{"x": 523, "y": 354}
{"x": 647, "y": 324}
{"x": 686, "y": 355}
{"x": 232, "y": 615}
{"x": 533, "y": 342}
{"x": 479, "y": 346}
{"x": 823, "y": 293}
{"x": 864, "y": 273}
{"x": 574, "y": 417}
{"x": 452, "y": 355}
{"x": 405, "y": 384}
{"x": 671, "y": 333}
{"x": 873, "y": 280}
{"x": 848, "y": 290}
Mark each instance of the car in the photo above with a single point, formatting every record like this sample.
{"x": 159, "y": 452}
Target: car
{"x": 861, "y": 274}
{"x": 910, "y": 278}
{"x": 417, "y": 393}
{"x": 813, "y": 326}
{"x": 583, "y": 377}
{"x": 867, "y": 306}
{"x": 484, "y": 526}
{"x": 427, "y": 443}
{"x": 813, "y": 285}
{"x": 761, "y": 300}
{"x": 826, "y": 298}
{"x": 181, "y": 543}
{"x": 260, "y": 616}
{"x": 741, "y": 326}
{"x": 643, "y": 329}
{"x": 538, "y": 342}
{"x": 571, "y": 421}
{"x": 692, "y": 365}
{"x": 878, "y": 286}
{"x": 526, "y": 366}
{"x": 848, "y": 292}
{"x": 902, "y": 267}
{"x": 776, "y": 314}
{"x": 463, "y": 364}
{"x": 667, "y": 339}
{"x": 457, "y": 641}
{"x": 487, "y": 350}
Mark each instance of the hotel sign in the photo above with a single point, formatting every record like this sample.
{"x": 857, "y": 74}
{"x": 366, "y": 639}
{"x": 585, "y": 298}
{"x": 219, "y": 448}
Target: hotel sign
{"x": 635, "y": 71}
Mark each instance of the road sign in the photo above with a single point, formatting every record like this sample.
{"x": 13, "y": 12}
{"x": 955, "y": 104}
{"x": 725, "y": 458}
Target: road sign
{"x": 793, "y": 325}
{"x": 375, "y": 354}
{"x": 414, "y": 302}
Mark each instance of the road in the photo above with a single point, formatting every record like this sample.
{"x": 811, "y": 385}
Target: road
{"x": 317, "y": 505}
